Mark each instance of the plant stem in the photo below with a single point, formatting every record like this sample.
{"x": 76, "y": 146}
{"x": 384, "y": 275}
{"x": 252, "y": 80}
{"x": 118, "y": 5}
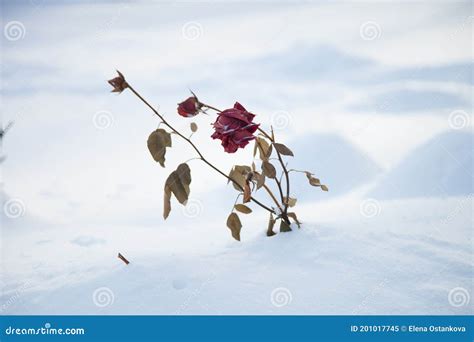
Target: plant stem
{"x": 273, "y": 197}
{"x": 285, "y": 171}
{"x": 194, "y": 147}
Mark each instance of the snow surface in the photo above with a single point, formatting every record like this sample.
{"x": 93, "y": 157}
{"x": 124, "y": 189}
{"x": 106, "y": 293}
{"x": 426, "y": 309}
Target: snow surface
{"x": 402, "y": 257}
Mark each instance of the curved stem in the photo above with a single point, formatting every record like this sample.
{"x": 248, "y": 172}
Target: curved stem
{"x": 273, "y": 197}
{"x": 194, "y": 147}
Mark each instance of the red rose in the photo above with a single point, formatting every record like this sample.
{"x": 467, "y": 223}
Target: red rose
{"x": 190, "y": 107}
{"x": 235, "y": 128}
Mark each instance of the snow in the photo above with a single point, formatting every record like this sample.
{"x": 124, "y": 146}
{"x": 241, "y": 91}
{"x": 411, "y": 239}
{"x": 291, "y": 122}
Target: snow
{"x": 405, "y": 259}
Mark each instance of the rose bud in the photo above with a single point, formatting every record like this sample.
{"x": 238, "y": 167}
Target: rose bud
{"x": 189, "y": 107}
{"x": 118, "y": 83}
{"x": 234, "y": 127}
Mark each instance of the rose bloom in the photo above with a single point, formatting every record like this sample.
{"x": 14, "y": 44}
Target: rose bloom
{"x": 234, "y": 127}
{"x": 189, "y": 107}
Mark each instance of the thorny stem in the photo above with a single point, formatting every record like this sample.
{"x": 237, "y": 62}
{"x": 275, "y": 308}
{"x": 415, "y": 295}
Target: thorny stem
{"x": 283, "y": 166}
{"x": 194, "y": 147}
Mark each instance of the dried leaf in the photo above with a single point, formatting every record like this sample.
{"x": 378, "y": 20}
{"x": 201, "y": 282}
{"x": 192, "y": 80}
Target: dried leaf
{"x": 312, "y": 180}
{"x": 264, "y": 148}
{"x": 324, "y": 188}
{"x": 247, "y": 192}
{"x": 271, "y": 223}
{"x": 284, "y": 227}
{"x": 290, "y": 201}
{"x": 282, "y": 149}
{"x": 293, "y": 216}
{"x": 268, "y": 169}
{"x": 194, "y": 127}
{"x": 233, "y": 222}
{"x": 178, "y": 182}
{"x": 157, "y": 143}
{"x": 260, "y": 179}
{"x": 242, "y": 208}
{"x": 239, "y": 174}
{"x": 167, "y": 202}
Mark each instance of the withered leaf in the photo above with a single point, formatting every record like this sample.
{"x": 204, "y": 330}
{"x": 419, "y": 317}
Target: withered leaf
{"x": 264, "y": 148}
{"x": 290, "y": 201}
{"x": 178, "y": 182}
{"x": 268, "y": 169}
{"x": 293, "y": 216}
{"x": 242, "y": 208}
{"x": 166, "y": 202}
{"x": 247, "y": 192}
{"x": 260, "y": 179}
{"x": 271, "y": 223}
{"x": 312, "y": 180}
{"x": 239, "y": 174}
{"x": 284, "y": 227}
{"x": 157, "y": 143}
{"x": 194, "y": 127}
{"x": 233, "y": 223}
{"x": 282, "y": 149}
{"x": 324, "y": 188}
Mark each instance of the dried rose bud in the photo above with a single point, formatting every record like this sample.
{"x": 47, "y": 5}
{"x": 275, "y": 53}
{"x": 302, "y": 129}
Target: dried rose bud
{"x": 118, "y": 83}
{"x": 234, "y": 127}
{"x": 189, "y": 107}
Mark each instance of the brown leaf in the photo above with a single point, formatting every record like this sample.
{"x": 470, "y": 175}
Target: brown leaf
{"x": 178, "y": 182}
{"x": 264, "y": 148}
{"x": 268, "y": 169}
{"x": 239, "y": 174}
{"x": 194, "y": 127}
{"x": 242, "y": 208}
{"x": 324, "y": 188}
{"x": 293, "y": 216}
{"x": 157, "y": 143}
{"x": 284, "y": 227}
{"x": 312, "y": 180}
{"x": 260, "y": 179}
{"x": 271, "y": 223}
{"x": 290, "y": 201}
{"x": 166, "y": 202}
{"x": 233, "y": 223}
{"x": 247, "y": 193}
{"x": 282, "y": 149}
